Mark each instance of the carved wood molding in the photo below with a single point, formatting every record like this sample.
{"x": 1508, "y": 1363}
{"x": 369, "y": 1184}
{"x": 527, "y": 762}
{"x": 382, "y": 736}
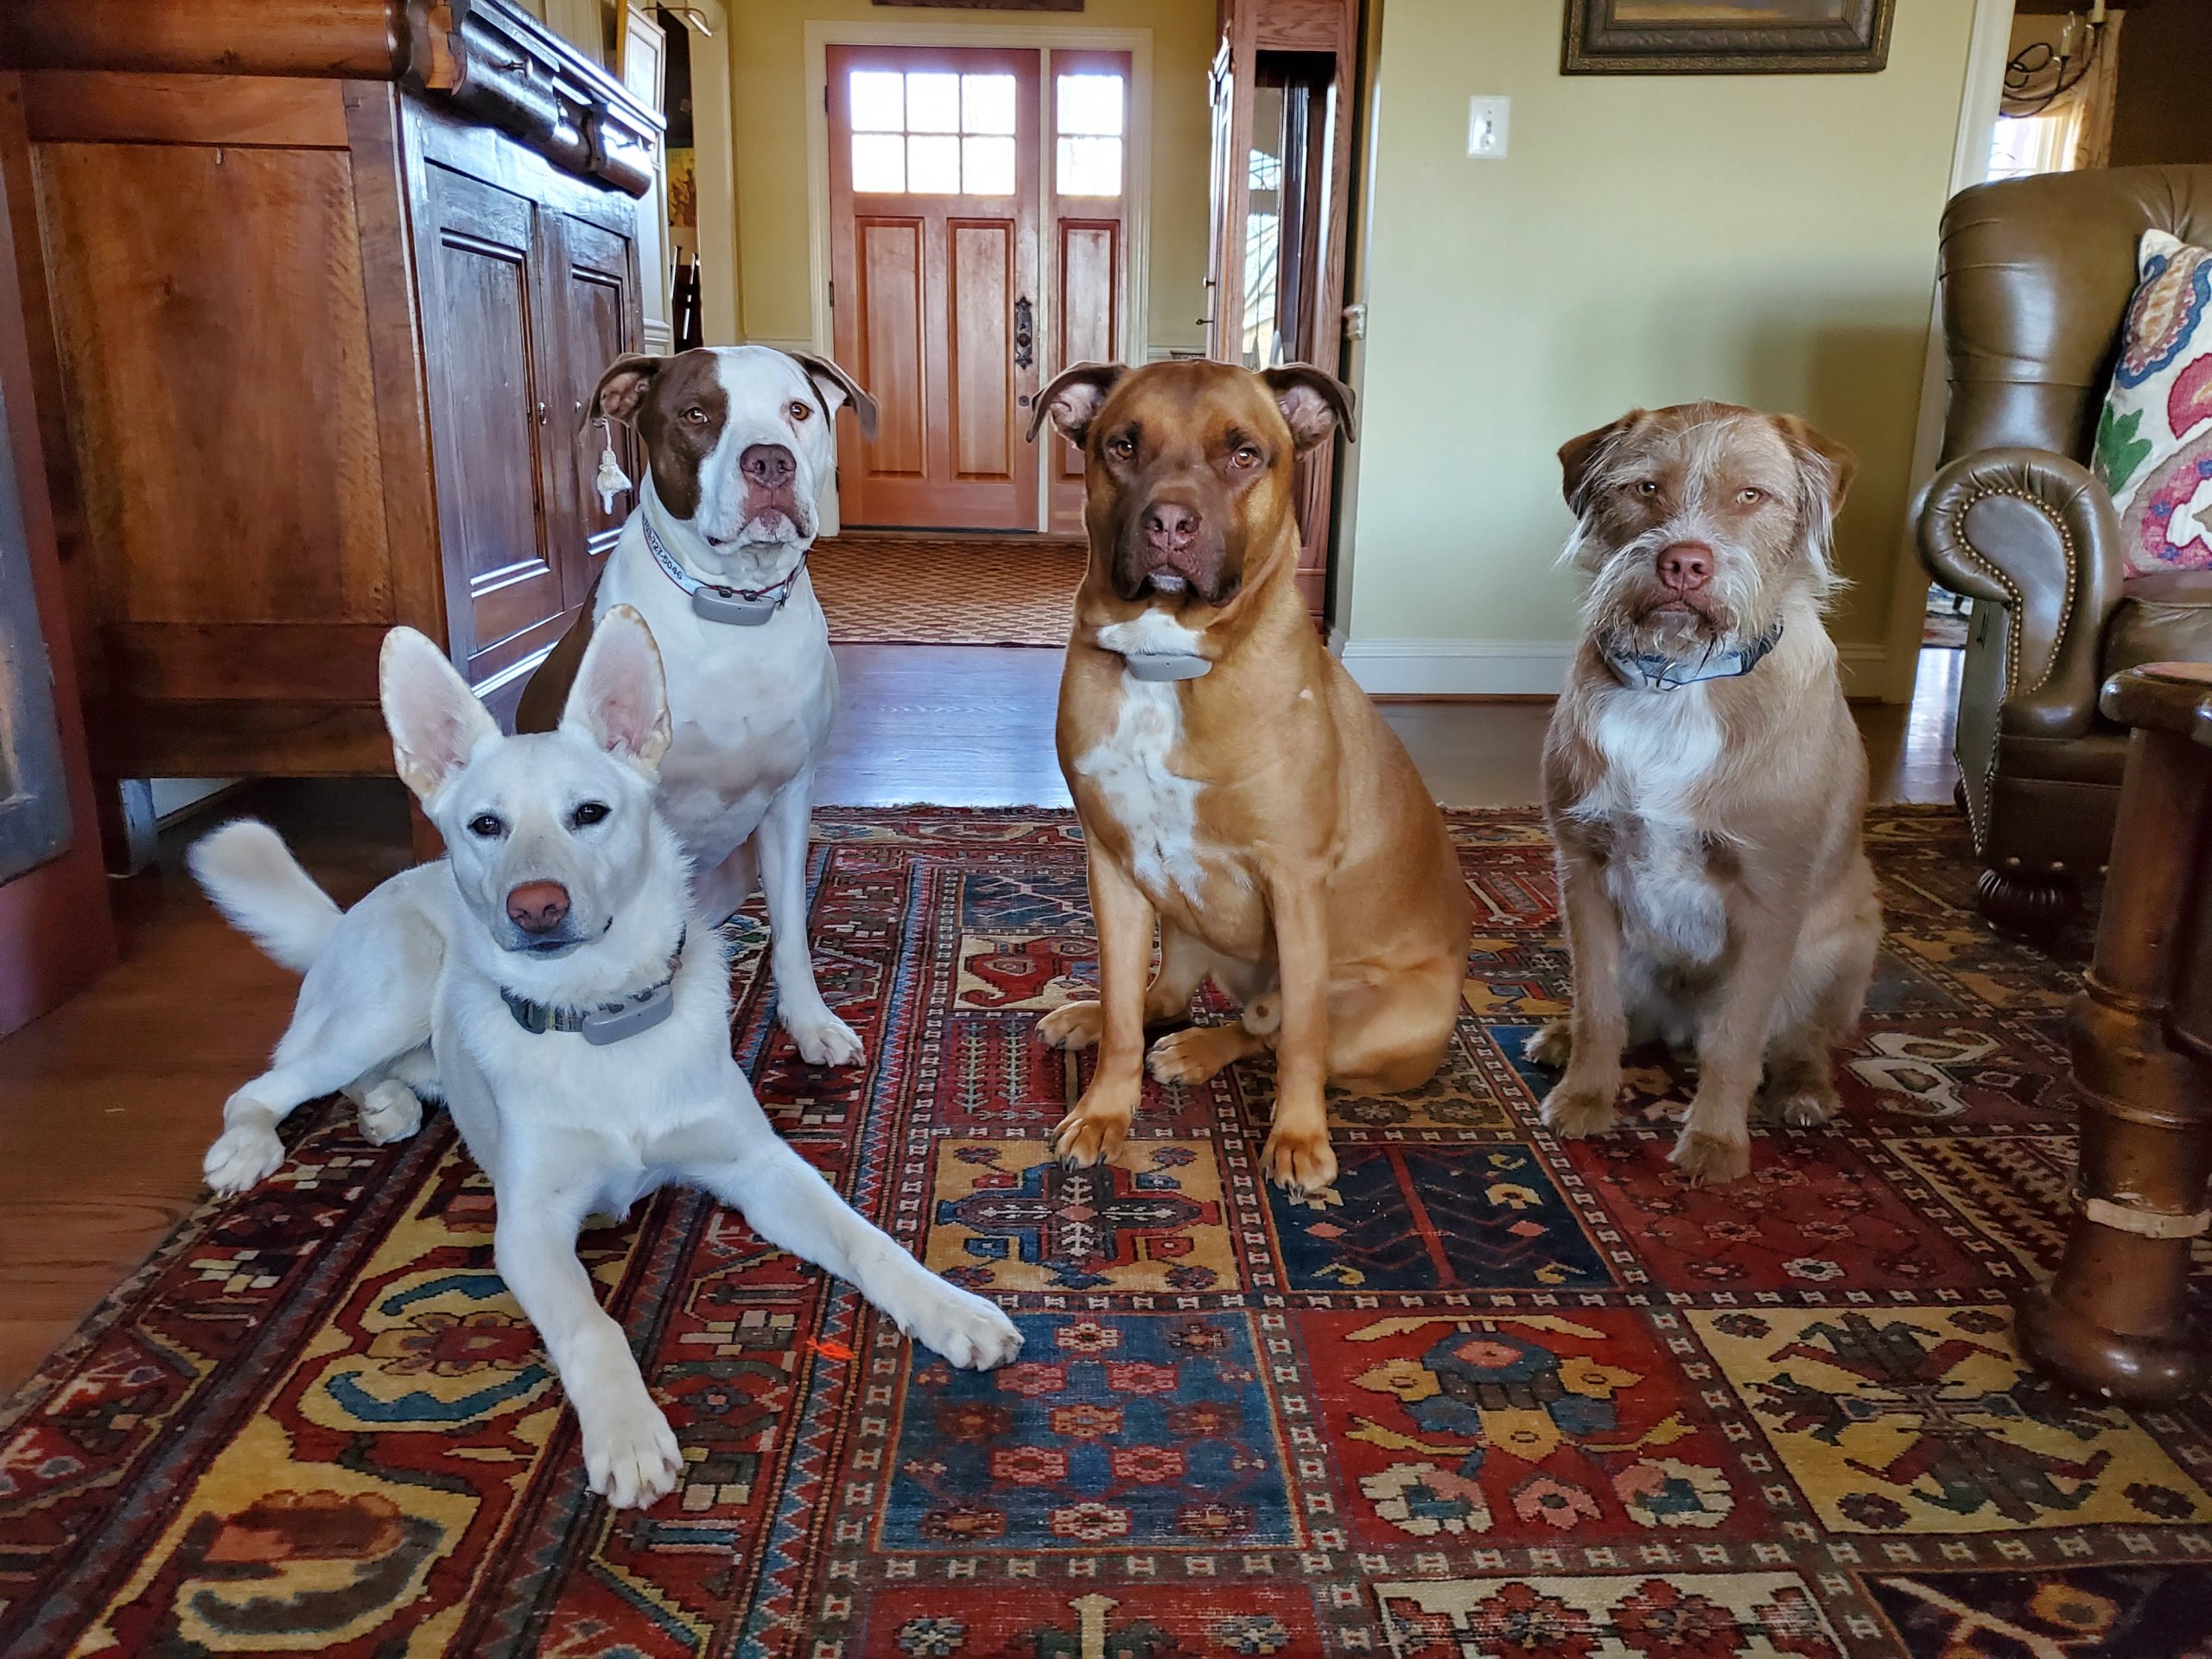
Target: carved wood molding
{"x": 486, "y": 58}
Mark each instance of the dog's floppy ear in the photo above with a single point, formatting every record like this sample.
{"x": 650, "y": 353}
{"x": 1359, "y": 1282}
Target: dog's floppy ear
{"x": 1578, "y": 458}
{"x": 1314, "y": 401}
{"x": 620, "y": 697}
{"x": 835, "y": 387}
{"x": 1073, "y": 399}
{"x": 623, "y": 387}
{"x": 435, "y": 720}
{"x": 1829, "y": 467}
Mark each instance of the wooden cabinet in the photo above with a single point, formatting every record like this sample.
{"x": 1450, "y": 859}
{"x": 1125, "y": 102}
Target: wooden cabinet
{"x": 316, "y": 346}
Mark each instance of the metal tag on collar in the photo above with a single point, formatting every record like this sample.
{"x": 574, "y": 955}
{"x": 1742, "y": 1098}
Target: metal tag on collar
{"x": 641, "y": 1013}
{"x": 721, "y": 605}
{"x": 1158, "y": 665}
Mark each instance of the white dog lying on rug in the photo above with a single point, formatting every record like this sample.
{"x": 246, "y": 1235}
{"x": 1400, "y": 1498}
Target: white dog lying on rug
{"x": 578, "y": 1010}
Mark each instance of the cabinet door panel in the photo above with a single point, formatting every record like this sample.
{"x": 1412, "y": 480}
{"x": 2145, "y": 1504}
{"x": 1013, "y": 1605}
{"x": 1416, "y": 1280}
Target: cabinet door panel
{"x": 483, "y": 305}
{"x": 595, "y": 289}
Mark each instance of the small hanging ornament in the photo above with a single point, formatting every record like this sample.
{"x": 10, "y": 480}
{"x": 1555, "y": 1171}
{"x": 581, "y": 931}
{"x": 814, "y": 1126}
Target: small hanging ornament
{"x": 611, "y": 480}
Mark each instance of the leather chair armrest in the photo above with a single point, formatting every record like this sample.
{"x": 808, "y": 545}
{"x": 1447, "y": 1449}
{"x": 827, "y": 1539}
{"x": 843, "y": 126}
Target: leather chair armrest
{"x": 2032, "y": 531}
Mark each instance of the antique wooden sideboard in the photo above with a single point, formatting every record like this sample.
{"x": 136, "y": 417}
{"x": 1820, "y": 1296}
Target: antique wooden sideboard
{"x": 317, "y": 292}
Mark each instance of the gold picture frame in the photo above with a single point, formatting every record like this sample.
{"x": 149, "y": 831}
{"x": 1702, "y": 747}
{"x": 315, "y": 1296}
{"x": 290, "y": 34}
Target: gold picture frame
{"x": 1726, "y": 37}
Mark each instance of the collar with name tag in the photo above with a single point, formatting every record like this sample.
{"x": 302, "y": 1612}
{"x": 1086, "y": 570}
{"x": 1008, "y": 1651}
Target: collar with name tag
{"x": 609, "y": 1022}
{"x": 1652, "y": 670}
{"x": 743, "y": 607}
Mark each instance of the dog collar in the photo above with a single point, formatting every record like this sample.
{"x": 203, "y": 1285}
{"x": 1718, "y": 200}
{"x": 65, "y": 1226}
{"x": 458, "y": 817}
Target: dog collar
{"x": 744, "y": 607}
{"x": 1165, "y": 664}
{"x": 609, "y": 1023}
{"x": 1652, "y": 671}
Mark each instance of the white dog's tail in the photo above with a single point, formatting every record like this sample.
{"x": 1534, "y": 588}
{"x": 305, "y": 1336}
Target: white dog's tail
{"x": 257, "y": 884}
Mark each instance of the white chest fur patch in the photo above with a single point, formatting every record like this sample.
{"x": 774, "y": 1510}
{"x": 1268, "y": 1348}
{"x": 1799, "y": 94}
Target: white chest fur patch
{"x": 1150, "y": 632}
{"x": 1156, "y": 807}
{"x": 1660, "y": 747}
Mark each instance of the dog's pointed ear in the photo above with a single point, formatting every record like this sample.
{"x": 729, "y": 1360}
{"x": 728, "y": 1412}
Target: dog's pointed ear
{"x": 623, "y": 387}
{"x": 1315, "y": 403}
{"x": 619, "y": 700}
{"x": 435, "y": 720}
{"x": 1073, "y": 398}
{"x": 1829, "y": 467}
{"x": 1580, "y": 458}
{"x": 837, "y": 387}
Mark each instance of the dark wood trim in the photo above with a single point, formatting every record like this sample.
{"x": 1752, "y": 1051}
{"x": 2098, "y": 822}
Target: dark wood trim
{"x": 402, "y": 393}
{"x": 57, "y": 934}
{"x": 220, "y": 739}
{"x": 298, "y": 662}
{"x": 334, "y": 38}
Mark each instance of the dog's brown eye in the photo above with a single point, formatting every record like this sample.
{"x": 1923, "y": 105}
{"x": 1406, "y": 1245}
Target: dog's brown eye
{"x": 1245, "y": 458}
{"x": 1119, "y": 448}
{"x": 1749, "y": 496}
{"x": 589, "y": 813}
{"x": 801, "y": 412}
{"x": 486, "y": 826}
{"x": 1646, "y": 487}
{"x": 696, "y": 416}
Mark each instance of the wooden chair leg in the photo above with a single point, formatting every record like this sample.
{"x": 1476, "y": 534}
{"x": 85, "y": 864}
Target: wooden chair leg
{"x": 2114, "y": 1321}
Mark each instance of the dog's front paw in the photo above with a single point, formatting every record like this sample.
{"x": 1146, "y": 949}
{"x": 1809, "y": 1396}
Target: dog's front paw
{"x": 1708, "y": 1160}
{"x": 1802, "y": 1107}
{"x": 1299, "y": 1161}
{"x": 1090, "y": 1134}
{"x": 390, "y": 1112}
{"x": 823, "y": 1038}
{"x": 1073, "y": 1025}
{"x": 969, "y": 1332}
{"x": 630, "y": 1456}
{"x": 1550, "y": 1044}
{"x": 1573, "y": 1110}
{"x": 241, "y": 1157}
{"x": 1195, "y": 1053}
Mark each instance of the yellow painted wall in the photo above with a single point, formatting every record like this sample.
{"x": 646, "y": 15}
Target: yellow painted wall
{"x": 1650, "y": 239}
{"x": 766, "y": 42}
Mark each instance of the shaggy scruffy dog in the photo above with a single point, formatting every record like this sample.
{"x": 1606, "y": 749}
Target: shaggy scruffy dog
{"x": 1703, "y": 780}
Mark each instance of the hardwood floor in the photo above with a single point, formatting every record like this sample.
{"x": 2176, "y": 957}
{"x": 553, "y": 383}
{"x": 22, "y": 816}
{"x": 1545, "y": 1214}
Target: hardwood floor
{"x": 107, "y": 1103}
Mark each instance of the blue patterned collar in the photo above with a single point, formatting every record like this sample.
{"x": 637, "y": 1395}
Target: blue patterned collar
{"x": 1652, "y": 671}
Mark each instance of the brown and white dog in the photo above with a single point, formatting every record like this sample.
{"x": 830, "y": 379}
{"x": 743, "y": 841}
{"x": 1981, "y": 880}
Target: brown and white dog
{"x": 1703, "y": 780}
{"x": 1233, "y": 782}
{"x": 741, "y": 447}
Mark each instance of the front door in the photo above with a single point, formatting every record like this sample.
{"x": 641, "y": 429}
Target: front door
{"x": 933, "y": 202}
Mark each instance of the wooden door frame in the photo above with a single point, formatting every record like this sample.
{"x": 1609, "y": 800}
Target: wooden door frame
{"x": 820, "y": 36}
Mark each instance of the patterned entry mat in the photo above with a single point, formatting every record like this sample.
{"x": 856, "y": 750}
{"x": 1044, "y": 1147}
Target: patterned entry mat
{"x": 879, "y": 588}
{"x": 1492, "y": 1395}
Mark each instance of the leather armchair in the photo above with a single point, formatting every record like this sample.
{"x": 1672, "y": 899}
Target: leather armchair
{"x": 2036, "y": 274}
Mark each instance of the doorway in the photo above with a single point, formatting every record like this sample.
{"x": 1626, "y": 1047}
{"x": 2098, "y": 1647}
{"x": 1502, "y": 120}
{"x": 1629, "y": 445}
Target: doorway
{"x": 980, "y": 205}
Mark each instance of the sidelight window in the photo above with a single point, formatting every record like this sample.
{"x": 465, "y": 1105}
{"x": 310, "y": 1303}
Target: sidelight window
{"x": 1089, "y": 113}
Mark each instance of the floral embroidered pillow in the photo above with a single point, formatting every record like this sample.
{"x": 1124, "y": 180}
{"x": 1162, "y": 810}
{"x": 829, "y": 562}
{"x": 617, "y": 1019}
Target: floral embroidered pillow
{"x": 2154, "y": 443}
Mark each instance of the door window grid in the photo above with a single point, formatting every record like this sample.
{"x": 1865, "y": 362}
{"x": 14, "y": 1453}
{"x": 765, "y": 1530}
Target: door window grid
{"x": 1087, "y": 141}
{"x": 931, "y": 132}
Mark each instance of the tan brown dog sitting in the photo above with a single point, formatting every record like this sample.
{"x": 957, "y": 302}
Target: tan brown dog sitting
{"x": 1234, "y": 784}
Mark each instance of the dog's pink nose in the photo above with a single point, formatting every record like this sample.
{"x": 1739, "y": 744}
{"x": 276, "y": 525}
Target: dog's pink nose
{"x": 1170, "y": 526}
{"x": 768, "y": 465}
{"x": 538, "y": 906}
{"x": 1686, "y": 567}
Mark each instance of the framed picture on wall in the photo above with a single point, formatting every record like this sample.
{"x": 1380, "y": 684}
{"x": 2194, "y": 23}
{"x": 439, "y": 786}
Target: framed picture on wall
{"x": 1726, "y": 37}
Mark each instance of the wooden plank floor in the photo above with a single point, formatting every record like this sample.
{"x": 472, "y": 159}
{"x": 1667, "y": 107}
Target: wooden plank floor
{"x": 107, "y": 1104}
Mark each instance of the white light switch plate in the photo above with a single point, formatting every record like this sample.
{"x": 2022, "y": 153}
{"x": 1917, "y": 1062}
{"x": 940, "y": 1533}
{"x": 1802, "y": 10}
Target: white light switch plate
{"x": 1489, "y": 121}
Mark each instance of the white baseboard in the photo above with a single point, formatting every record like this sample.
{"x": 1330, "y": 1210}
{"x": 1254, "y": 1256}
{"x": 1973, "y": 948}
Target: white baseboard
{"x": 1516, "y": 667}
{"x": 1459, "y": 668}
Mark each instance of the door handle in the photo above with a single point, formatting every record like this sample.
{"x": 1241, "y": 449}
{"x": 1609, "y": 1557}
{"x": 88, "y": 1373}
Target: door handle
{"x": 1025, "y": 333}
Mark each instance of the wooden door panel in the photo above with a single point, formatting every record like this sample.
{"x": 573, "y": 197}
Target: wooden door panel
{"x": 595, "y": 303}
{"x": 927, "y": 267}
{"x": 491, "y": 418}
{"x": 1090, "y": 266}
{"x": 982, "y": 371}
{"x": 891, "y": 361}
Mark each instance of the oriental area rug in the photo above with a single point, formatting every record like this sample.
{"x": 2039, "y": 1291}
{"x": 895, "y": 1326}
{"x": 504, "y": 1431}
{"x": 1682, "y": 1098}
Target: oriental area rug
{"x": 1490, "y": 1395}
